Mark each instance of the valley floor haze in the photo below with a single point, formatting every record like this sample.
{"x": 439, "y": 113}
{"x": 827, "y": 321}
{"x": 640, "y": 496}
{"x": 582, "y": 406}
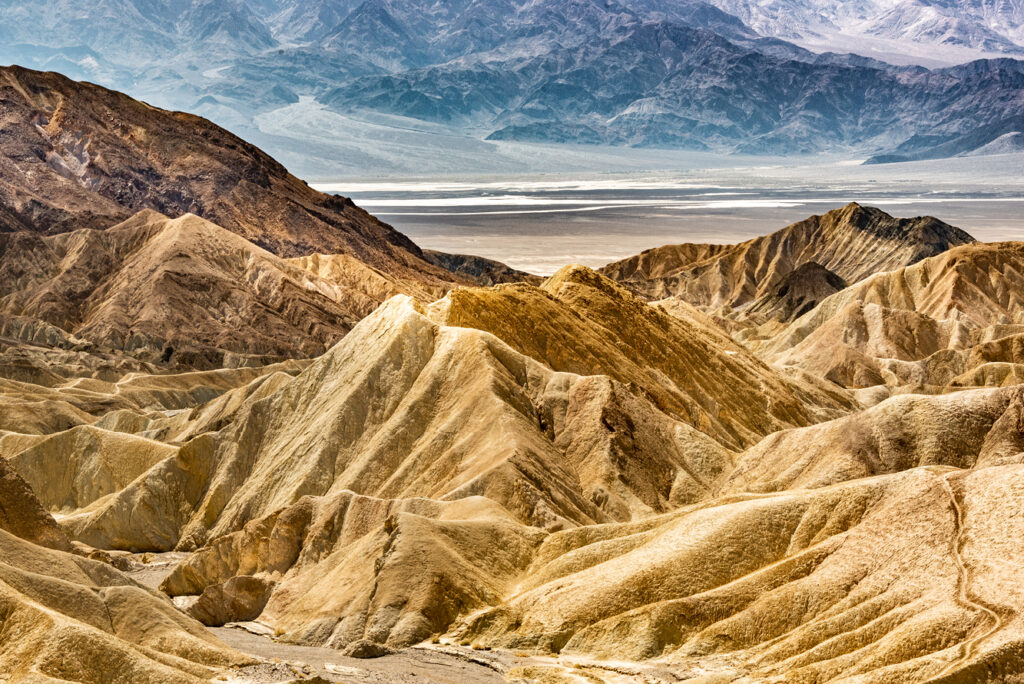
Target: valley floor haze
{"x": 542, "y": 222}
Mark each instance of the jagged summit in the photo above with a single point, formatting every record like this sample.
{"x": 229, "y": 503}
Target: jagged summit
{"x": 582, "y": 322}
{"x": 853, "y": 242}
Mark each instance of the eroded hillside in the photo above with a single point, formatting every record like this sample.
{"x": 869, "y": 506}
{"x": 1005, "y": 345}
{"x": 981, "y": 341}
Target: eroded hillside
{"x": 800, "y": 458}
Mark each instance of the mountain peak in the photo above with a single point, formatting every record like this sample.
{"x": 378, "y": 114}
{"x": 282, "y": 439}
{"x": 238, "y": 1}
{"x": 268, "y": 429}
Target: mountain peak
{"x": 853, "y": 242}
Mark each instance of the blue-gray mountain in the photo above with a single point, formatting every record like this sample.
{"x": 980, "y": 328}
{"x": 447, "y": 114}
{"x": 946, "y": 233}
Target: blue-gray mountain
{"x": 625, "y": 72}
{"x": 947, "y": 27}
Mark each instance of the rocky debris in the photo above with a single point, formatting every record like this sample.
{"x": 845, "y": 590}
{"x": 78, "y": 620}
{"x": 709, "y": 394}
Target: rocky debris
{"x": 241, "y": 598}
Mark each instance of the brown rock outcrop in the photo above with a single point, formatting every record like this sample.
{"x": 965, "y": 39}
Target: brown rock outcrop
{"x": 76, "y": 155}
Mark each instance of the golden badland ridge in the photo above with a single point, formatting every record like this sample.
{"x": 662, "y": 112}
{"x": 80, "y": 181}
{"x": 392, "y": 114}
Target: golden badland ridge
{"x": 853, "y": 242}
{"x": 799, "y": 459}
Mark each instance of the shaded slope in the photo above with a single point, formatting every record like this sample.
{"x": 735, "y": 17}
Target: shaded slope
{"x": 22, "y": 515}
{"x": 797, "y": 293}
{"x": 853, "y": 242}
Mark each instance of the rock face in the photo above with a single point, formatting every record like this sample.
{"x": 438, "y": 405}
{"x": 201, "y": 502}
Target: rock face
{"x": 185, "y": 292}
{"x": 23, "y": 516}
{"x": 853, "y": 243}
{"x": 554, "y": 448}
{"x": 483, "y": 271}
{"x": 976, "y": 428}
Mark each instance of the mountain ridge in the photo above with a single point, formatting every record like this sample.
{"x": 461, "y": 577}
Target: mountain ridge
{"x": 853, "y": 242}
{"x": 549, "y": 75}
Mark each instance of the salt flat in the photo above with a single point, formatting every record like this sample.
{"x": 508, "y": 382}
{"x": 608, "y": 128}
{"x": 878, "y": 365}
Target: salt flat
{"x": 542, "y": 221}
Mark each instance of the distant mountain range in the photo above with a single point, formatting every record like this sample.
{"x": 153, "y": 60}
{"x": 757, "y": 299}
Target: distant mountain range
{"x": 936, "y": 28}
{"x": 645, "y": 73}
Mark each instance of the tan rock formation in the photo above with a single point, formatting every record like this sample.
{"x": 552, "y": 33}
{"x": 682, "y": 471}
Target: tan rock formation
{"x": 405, "y": 408}
{"x": 68, "y": 618}
{"x": 900, "y": 578}
{"x": 960, "y": 430}
{"x": 23, "y": 516}
{"x": 939, "y": 322}
{"x": 186, "y": 292}
{"x": 854, "y": 243}
{"x": 581, "y": 322}
{"x": 560, "y": 468}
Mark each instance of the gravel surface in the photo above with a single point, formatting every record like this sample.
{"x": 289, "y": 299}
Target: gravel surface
{"x": 445, "y": 665}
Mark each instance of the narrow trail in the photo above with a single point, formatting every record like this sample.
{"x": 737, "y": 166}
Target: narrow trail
{"x": 968, "y": 647}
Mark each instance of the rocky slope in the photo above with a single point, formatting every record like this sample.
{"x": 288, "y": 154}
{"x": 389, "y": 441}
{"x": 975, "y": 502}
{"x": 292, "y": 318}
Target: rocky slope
{"x": 79, "y": 156}
{"x": 184, "y": 292}
{"x": 441, "y": 437}
{"x": 844, "y": 582}
{"x": 69, "y": 618}
{"x": 853, "y": 243}
{"x": 544, "y": 444}
{"x": 758, "y": 493}
{"x": 797, "y": 292}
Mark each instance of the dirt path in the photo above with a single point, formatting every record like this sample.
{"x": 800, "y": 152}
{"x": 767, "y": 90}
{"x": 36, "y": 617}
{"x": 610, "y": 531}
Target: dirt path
{"x": 968, "y": 647}
{"x": 445, "y": 665}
